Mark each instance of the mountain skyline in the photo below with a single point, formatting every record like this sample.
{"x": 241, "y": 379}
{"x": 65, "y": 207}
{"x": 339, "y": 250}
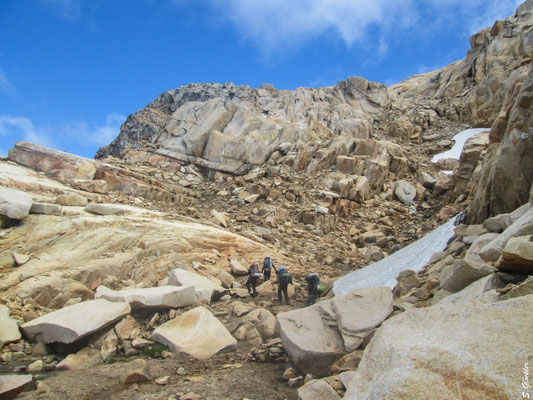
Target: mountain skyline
{"x": 72, "y": 70}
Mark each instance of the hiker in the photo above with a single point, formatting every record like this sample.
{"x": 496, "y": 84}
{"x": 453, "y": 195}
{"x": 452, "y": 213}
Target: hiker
{"x": 284, "y": 278}
{"x": 312, "y": 288}
{"x": 253, "y": 276}
{"x": 267, "y": 268}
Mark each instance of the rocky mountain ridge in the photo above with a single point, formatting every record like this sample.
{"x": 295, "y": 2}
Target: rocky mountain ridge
{"x": 223, "y": 127}
{"x": 209, "y": 178}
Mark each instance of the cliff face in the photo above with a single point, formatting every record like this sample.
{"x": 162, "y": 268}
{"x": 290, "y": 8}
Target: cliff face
{"x": 232, "y": 128}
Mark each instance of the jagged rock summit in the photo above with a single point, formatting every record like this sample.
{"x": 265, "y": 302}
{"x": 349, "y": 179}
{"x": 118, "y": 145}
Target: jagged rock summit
{"x": 228, "y": 128}
{"x": 210, "y": 178}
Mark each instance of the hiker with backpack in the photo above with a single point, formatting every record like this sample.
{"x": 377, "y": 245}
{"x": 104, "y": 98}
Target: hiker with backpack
{"x": 313, "y": 282}
{"x": 284, "y": 279}
{"x": 253, "y": 276}
{"x": 267, "y": 268}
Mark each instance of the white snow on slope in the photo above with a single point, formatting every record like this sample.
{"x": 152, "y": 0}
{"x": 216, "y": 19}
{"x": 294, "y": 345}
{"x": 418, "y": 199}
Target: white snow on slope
{"x": 460, "y": 140}
{"x": 384, "y": 272}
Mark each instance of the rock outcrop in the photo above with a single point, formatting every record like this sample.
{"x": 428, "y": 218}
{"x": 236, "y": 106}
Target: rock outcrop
{"x": 316, "y": 336}
{"x": 231, "y": 128}
{"x": 412, "y": 354}
{"x": 197, "y": 333}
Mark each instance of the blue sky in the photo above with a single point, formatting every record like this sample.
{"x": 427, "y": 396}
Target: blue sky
{"x": 72, "y": 70}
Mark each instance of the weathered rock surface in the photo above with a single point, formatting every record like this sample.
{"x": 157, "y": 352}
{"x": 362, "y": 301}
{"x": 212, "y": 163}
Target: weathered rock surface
{"x": 482, "y": 290}
{"x": 103, "y": 209}
{"x": 517, "y": 255}
{"x": 75, "y": 322}
{"x": 20, "y": 259}
{"x": 412, "y": 354}
{"x": 204, "y": 288}
{"x": 46, "y": 209}
{"x": 405, "y": 192}
{"x": 460, "y": 274}
{"x": 317, "y": 389}
{"x": 72, "y": 199}
{"x": 314, "y": 337}
{"x": 522, "y": 226}
{"x": 86, "y": 357}
{"x": 12, "y": 385}
{"x": 231, "y": 128}
{"x": 9, "y": 331}
{"x": 197, "y": 333}
{"x": 14, "y": 204}
{"x": 237, "y": 268}
{"x": 156, "y": 297}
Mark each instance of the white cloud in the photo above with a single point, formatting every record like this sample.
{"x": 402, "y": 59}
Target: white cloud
{"x": 68, "y": 9}
{"x": 21, "y": 128}
{"x": 276, "y": 24}
{"x": 85, "y": 135}
{"x": 495, "y": 9}
{"x": 90, "y": 133}
{"x": 5, "y": 84}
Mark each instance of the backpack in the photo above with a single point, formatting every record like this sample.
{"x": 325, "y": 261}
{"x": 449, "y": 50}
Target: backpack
{"x": 267, "y": 264}
{"x": 284, "y": 275}
{"x": 254, "y": 270}
{"x": 321, "y": 288}
{"x": 313, "y": 280}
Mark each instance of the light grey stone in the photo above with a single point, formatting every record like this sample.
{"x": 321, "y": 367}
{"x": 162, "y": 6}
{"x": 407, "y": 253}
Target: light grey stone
{"x": 197, "y": 333}
{"x": 460, "y": 274}
{"x": 405, "y": 192}
{"x": 156, "y": 297}
{"x": 315, "y": 336}
{"x": 317, "y": 389}
{"x": 9, "y": 331}
{"x": 12, "y": 385}
{"x": 14, "y": 204}
{"x": 103, "y": 209}
{"x": 71, "y": 199}
{"x": 401, "y": 363}
{"x": 75, "y": 322}
{"x": 46, "y": 209}
{"x": 522, "y": 226}
{"x": 204, "y": 288}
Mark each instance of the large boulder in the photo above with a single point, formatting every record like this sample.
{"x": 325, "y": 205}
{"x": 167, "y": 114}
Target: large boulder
{"x": 483, "y": 290}
{"x": 14, "y": 204}
{"x": 264, "y": 321}
{"x": 9, "y": 331}
{"x": 469, "y": 351}
{"x": 156, "y": 297}
{"x": 522, "y": 226}
{"x": 206, "y": 290}
{"x": 517, "y": 255}
{"x": 460, "y": 274}
{"x": 314, "y": 337}
{"x": 12, "y": 385}
{"x": 197, "y": 333}
{"x": 237, "y": 268}
{"x": 75, "y": 322}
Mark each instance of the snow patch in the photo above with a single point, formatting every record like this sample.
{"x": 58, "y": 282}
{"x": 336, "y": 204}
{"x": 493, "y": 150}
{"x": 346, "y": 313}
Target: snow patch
{"x": 384, "y": 272}
{"x": 460, "y": 140}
